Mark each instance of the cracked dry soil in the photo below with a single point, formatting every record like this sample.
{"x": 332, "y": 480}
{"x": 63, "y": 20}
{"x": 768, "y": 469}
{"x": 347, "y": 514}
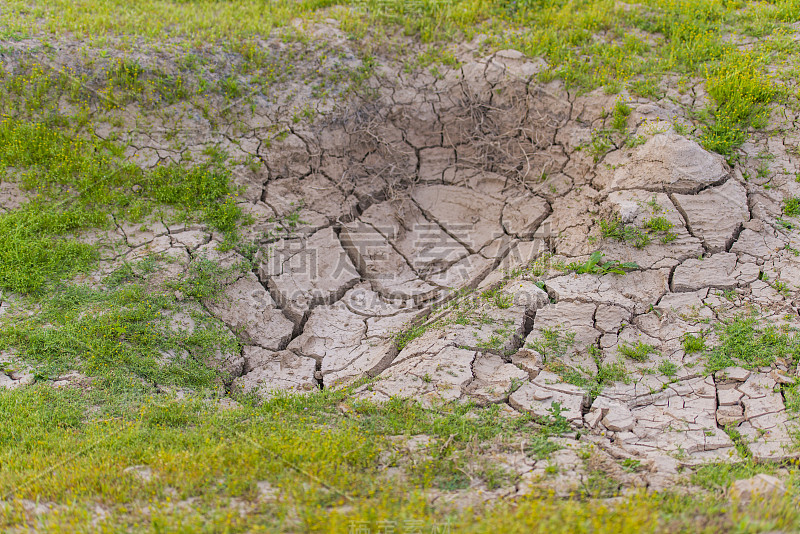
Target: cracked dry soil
{"x": 447, "y": 205}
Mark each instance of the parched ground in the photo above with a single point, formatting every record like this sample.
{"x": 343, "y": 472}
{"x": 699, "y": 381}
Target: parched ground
{"x": 399, "y": 266}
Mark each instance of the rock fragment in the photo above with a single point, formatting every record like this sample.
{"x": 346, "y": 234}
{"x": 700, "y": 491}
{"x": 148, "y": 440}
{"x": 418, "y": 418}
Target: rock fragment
{"x": 267, "y": 371}
{"x": 720, "y": 271}
{"x": 670, "y": 163}
{"x": 716, "y": 215}
{"x": 761, "y": 486}
{"x": 248, "y": 309}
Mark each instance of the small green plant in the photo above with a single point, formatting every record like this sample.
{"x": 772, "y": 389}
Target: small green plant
{"x": 553, "y": 344}
{"x": 616, "y": 229}
{"x": 205, "y": 279}
{"x": 791, "y": 206}
{"x": 668, "y": 368}
{"x": 599, "y": 144}
{"x": 646, "y": 88}
{"x": 619, "y": 116}
{"x": 593, "y": 266}
{"x": 791, "y": 395}
{"x": 681, "y": 128}
{"x": 404, "y": 337}
{"x": 230, "y": 87}
{"x": 599, "y": 485}
{"x": 692, "y": 343}
{"x": 290, "y": 221}
{"x": 555, "y": 423}
{"x": 739, "y": 441}
{"x": 462, "y": 311}
{"x": 494, "y": 343}
{"x": 782, "y": 288}
{"x": 660, "y": 225}
{"x": 503, "y": 300}
{"x": 655, "y": 207}
{"x": 639, "y": 352}
{"x": 635, "y": 140}
{"x": 631, "y": 465}
{"x": 607, "y": 373}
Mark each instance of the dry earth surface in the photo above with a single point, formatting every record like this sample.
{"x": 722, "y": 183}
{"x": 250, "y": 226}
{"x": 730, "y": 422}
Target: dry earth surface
{"x": 479, "y": 236}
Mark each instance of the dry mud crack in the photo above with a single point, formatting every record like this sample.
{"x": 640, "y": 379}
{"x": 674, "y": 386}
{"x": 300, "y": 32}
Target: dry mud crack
{"x": 446, "y": 205}
{"x": 452, "y": 184}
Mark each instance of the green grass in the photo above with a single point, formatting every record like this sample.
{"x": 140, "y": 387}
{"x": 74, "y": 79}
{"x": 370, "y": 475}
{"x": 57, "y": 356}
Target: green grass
{"x": 503, "y": 300}
{"x": 741, "y": 94}
{"x": 204, "y": 278}
{"x": 607, "y": 373}
{"x": 692, "y": 343}
{"x": 593, "y": 266}
{"x": 639, "y": 351}
{"x": 685, "y": 37}
{"x": 599, "y": 144}
{"x": 323, "y": 465}
{"x": 744, "y": 341}
{"x": 121, "y": 334}
{"x": 718, "y": 477}
{"x": 638, "y": 237}
{"x": 464, "y": 308}
{"x": 688, "y": 35}
{"x": 202, "y": 21}
{"x": 55, "y": 164}
{"x": 619, "y": 116}
{"x": 628, "y": 233}
{"x": 317, "y": 456}
{"x": 313, "y": 455}
{"x": 646, "y": 88}
{"x": 553, "y": 344}
{"x": 34, "y": 249}
{"x": 667, "y": 368}
{"x": 791, "y": 206}
{"x": 77, "y": 185}
{"x": 403, "y": 337}
{"x": 660, "y": 225}
{"x": 32, "y": 91}
{"x": 129, "y": 81}
{"x": 739, "y": 441}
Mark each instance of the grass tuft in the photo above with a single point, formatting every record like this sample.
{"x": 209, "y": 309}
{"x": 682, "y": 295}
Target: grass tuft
{"x": 741, "y": 94}
{"x": 743, "y": 341}
{"x": 639, "y": 352}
